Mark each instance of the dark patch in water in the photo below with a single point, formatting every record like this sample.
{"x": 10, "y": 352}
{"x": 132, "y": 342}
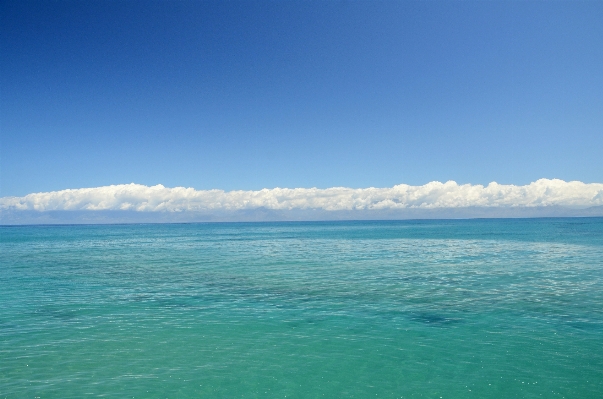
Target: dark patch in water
{"x": 6, "y": 326}
{"x": 433, "y": 319}
{"x": 585, "y": 326}
{"x": 58, "y": 314}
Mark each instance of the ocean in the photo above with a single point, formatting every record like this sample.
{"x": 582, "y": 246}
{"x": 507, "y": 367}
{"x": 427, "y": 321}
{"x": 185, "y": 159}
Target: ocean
{"x": 498, "y": 308}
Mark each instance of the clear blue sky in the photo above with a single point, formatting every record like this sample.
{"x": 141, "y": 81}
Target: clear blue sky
{"x": 247, "y": 95}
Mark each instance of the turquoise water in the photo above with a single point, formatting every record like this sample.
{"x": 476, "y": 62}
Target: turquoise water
{"x": 433, "y": 309}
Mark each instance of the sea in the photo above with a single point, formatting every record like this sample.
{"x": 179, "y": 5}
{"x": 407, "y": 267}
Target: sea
{"x": 486, "y": 308}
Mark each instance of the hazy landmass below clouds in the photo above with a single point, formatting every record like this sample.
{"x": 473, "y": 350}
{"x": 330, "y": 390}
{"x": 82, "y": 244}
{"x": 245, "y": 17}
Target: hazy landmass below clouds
{"x": 434, "y": 195}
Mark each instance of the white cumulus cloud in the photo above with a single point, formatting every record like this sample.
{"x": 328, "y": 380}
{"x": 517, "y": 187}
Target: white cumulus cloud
{"x": 137, "y": 197}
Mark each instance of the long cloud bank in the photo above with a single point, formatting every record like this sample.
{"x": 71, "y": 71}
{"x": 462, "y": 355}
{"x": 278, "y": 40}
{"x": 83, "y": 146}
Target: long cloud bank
{"x": 434, "y": 195}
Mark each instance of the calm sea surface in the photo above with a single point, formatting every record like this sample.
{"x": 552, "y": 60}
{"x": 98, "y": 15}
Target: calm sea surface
{"x": 433, "y": 309}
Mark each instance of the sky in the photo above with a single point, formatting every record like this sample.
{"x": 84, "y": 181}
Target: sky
{"x": 298, "y": 94}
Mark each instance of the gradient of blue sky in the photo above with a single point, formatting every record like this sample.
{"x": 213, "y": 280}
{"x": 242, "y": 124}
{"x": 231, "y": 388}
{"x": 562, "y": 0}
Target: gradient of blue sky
{"x": 247, "y": 95}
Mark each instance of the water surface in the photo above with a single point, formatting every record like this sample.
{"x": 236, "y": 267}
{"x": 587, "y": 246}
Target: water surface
{"x": 434, "y": 309}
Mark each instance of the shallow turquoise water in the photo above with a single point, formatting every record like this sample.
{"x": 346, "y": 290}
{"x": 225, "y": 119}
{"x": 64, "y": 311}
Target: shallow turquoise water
{"x": 434, "y": 309}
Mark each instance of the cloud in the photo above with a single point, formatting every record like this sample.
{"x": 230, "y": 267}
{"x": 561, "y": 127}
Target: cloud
{"x": 434, "y": 195}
